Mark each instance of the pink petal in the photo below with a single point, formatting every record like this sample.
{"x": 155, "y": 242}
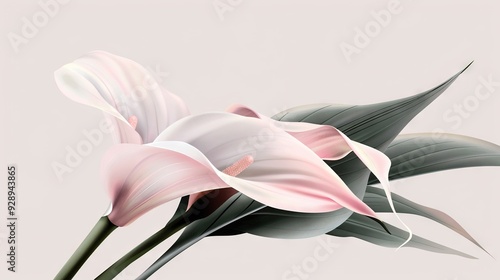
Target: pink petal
{"x": 123, "y": 89}
{"x": 284, "y": 174}
{"x": 142, "y": 177}
{"x": 321, "y": 139}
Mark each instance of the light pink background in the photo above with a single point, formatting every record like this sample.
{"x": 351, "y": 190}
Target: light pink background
{"x": 270, "y": 56}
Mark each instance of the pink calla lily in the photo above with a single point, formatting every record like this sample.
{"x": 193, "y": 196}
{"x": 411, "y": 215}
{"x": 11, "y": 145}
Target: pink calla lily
{"x": 127, "y": 92}
{"x": 211, "y": 151}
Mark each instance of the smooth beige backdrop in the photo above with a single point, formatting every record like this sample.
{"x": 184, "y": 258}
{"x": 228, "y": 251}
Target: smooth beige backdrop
{"x": 270, "y": 55}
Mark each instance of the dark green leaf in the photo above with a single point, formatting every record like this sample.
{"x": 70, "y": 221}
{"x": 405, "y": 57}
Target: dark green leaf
{"x": 362, "y": 227}
{"x": 375, "y": 125}
{"x": 376, "y": 199}
{"x": 416, "y": 154}
{"x": 271, "y": 222}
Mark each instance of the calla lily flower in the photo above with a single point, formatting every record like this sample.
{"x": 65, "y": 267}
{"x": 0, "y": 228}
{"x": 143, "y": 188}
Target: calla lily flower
{"x": 212, "y": 151}
{"x": 127, "y": 92}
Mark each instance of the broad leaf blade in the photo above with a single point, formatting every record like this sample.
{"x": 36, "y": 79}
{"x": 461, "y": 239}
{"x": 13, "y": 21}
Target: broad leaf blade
{"x": 236, "y": 207}
{"x": 416, "y": 154}
{"x": 376, "y": 199}
{"x": 275, "y": 223}
{"x": 362, "y": 227}
{"x": 375, "y": 125}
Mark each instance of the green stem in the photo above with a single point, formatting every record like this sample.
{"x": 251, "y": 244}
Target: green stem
{"x": 96, "y": 236}
{"x": 141, "y": 249}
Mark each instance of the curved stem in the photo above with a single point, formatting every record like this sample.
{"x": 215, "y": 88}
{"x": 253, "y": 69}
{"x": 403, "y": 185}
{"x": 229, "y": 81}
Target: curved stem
{"x": 96, "y": 236}
{"x": 141, "y": 249}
